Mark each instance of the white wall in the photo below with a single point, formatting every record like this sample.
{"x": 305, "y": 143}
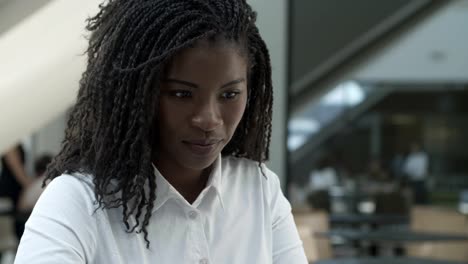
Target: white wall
{"x": 49, "y": 138}
{"x": 273, "y": 26}
{"x": 14, "y": 11}
{"x": 40, "y": 67}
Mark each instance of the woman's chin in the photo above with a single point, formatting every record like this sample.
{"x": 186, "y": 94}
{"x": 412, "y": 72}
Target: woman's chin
{"x": 200, "y": 164}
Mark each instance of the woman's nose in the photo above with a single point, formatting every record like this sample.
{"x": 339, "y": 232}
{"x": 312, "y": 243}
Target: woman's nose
{"x": 207, "y": 116}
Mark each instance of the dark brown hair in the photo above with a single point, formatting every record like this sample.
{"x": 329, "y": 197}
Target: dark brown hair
{"x": 110, "y": 131}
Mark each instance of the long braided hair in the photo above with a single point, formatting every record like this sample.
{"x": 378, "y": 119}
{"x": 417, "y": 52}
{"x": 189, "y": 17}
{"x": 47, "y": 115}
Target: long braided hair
{"x": 110, "y": 131}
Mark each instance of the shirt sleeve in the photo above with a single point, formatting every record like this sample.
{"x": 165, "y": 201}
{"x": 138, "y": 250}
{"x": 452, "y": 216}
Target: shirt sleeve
{"x": 287, "y": 246}
{"x": 61, "y": 228}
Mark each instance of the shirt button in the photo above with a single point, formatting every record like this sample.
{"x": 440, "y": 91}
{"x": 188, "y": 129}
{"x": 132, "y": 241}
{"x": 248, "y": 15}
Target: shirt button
{"x": 193, "y": 215}
{"x": 204, "y": 261}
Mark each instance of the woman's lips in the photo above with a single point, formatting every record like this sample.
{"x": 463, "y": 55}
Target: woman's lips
{"x": 202, "y": 147}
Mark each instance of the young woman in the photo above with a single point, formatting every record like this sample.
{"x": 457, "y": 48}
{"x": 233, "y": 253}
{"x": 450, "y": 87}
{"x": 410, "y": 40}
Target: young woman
{"x": 164, "y": 150}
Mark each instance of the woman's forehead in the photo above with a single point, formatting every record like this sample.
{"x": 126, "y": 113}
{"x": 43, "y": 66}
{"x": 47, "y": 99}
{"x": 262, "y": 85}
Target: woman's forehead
{"x": 215, "y": 57}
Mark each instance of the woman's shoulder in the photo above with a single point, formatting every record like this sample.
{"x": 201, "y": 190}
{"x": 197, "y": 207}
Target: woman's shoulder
{"x": 75, "y": 182}
{"x": 68, "y": 191}
{"x": 64, "y": 222}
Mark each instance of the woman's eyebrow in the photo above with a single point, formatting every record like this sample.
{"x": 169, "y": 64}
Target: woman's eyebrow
{"x": 240, "y": 80}
{"x": 193, "y": 85}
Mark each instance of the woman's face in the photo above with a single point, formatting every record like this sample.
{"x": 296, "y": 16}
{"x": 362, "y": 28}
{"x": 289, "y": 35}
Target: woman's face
{"x": 202, "y": 100}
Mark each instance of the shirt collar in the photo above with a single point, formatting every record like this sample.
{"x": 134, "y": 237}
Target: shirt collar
{"x": 165, "y": 191}
{"x": 162, "y": 189}
{"x": 216, "y": 178}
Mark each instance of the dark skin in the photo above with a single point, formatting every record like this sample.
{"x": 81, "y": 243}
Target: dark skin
{"x": 203, "y": 99}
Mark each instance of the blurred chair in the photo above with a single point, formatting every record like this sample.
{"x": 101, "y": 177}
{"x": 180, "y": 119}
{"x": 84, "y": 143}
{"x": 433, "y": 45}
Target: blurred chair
{"x": 319, "y": 200}
{"x": 434, "y": 219}
{"x": 316, "y": 248}
{"x": 391, "y": 203}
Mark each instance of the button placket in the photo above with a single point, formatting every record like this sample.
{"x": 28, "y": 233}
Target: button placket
{"x": 199, "y": 236}
{"x": 193, "y": 215}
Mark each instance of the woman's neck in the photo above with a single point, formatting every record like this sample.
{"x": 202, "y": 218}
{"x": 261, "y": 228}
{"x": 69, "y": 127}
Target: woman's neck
{"x": 189, "y": 183}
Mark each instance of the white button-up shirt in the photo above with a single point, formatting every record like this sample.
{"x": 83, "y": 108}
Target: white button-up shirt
{"x": 240, "y": 217}
{"x": 416, "y": 166}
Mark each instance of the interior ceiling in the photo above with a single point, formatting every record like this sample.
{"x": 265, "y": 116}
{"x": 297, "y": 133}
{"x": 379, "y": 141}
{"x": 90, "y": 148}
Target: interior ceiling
{"x": 434, "y": 51}
{"x": 13, "y": 12}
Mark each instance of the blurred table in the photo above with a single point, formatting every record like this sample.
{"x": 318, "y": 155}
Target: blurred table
{"x": 371, "y": 219}
{"x": 385, "y": 260}
{"x": 389, "y": 235}
{"x": 389, "y": 238}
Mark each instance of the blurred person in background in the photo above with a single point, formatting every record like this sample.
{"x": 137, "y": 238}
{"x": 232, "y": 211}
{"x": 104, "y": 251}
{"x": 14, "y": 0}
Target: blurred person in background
{"x": 31, "y": 194}
{"x": 324, "y": 176}
{"x": 397, "y": 163}
{"x": 416, "y": 168}
{"x": 13, "y": 178}
{"x": 321, "y": 180}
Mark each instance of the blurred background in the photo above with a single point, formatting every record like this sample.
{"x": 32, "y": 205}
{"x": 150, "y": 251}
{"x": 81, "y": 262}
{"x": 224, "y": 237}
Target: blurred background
{"x": 371, "y": 99}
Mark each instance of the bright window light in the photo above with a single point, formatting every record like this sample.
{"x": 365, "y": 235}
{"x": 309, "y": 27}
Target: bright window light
{"x": 346, "y": 94}
{"x": 296, "y": 141}
{"x": 303, "y": 126}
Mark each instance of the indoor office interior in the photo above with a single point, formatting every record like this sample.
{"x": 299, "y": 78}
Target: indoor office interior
{"x": 369, "y": 125}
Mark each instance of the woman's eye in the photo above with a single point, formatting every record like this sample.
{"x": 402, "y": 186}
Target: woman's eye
{"x": 181, "y": 94}
{"x": 230, "y": 95}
